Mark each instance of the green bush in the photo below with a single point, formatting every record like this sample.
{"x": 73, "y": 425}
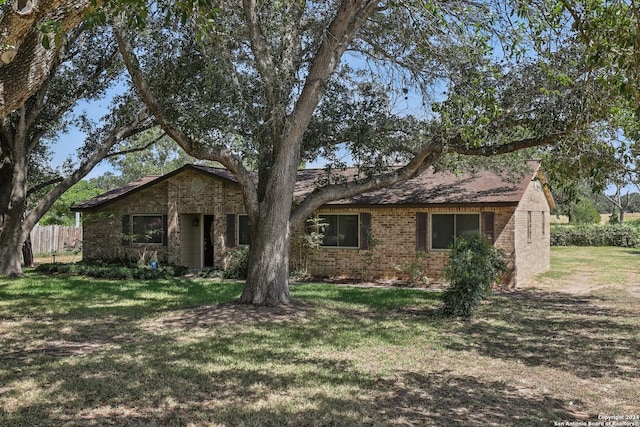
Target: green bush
{"x": 633, "y": 222}
{"x": 614, "y": 218}
{"x": 474, "y": 265}
{"x": 211, "y": 273}
{"x": 584, "y": 212}
{"x": 413, "y": 270}
{"x": 237, "y": 260}
{"x": 621, "y": 235}
{"x": 104, "y": 270}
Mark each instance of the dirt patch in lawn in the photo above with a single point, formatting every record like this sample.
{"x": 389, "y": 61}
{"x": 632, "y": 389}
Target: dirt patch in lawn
{"x": 235, "y": 312}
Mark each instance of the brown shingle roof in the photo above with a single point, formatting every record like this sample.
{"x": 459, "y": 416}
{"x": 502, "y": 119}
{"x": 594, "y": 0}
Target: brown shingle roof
{"x": 114, "y": 194}
{"x": 429, "y": 188}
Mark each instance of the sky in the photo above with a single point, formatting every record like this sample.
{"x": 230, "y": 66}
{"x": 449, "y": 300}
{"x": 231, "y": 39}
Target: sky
{"x": 68, "y": 143}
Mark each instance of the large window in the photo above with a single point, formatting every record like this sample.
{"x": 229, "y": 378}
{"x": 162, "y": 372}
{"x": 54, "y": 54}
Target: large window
{"x": 147, "y": 229}
{"x": 446, "y": 227}
{"x": 340, "y": 231}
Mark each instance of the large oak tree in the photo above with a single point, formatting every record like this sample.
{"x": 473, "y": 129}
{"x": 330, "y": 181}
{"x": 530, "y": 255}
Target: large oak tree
{"x": 394, "y": 87}
{"x": 84, "y": 68}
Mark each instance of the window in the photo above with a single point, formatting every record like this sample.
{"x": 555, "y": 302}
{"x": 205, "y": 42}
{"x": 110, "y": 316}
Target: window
{"x": 243, "y": 230}
{"x": 340, "y": 231}
{"x": 445, "y": 227}
{"x": 529, "y": 225}
{"x": 147, "y": 229}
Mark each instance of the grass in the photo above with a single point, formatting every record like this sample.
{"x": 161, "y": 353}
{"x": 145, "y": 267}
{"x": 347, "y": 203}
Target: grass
{"x": 78, "y": 351}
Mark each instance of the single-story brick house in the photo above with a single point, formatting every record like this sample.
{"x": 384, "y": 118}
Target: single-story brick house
{"x": 194, "y": 214}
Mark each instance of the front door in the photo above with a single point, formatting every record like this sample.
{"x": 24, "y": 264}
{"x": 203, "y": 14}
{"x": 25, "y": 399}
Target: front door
{"x": 208, "y": 240}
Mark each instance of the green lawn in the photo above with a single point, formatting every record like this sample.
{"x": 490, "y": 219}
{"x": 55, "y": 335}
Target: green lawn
{"x": 78, "y": 351}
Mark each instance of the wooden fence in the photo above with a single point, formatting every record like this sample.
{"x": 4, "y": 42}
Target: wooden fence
{"x": 55, "y": 238}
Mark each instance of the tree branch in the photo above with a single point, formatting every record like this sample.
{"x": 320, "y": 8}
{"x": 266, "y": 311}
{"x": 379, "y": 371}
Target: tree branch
{"x": 351, "y": 14}
{"x": 421, "y": 162}
{"x": 44, "y": 185}
{"x": 510, "y": 147}
{"x": 136, "y": 149}
{"x": 260, "y": 48}
{"x": 140, "y": 122}
{"x": 217, "y": 153}
{"x": 24, "y": 62}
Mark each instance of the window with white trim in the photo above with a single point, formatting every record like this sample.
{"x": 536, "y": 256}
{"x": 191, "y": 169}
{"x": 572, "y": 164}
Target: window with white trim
{"x": 341, "y": 230}
{"x": 446, "y": 227}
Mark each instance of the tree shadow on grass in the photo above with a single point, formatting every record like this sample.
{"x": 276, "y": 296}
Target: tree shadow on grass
{"x": 236, "y": 365}
{"x": 80, "y": 297}
{"x": 556, "y": 330}
{"x": 159, "y": 384}
{"x": 196, "y": 367}
{"x": 415, "y": 398}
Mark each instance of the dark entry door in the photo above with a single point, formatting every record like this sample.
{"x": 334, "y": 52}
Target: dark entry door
{"x": 208, "y": 240}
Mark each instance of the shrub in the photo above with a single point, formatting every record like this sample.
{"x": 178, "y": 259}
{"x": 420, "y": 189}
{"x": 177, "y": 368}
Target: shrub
{"x": 103, "y": 270}
{"x": 614, "y": 218}
{"x": 621, "y": 235}
{"x": 236, "y": 261}
{"x": 474, "y": 265}
{"x": 212, "y": 273}
{"x": 633, "y": 222}
{"x": 413, "y": 269}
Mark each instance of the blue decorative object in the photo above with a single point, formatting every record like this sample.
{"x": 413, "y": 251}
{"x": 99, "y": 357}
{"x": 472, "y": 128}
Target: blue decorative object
{"x": 154, "y": 265}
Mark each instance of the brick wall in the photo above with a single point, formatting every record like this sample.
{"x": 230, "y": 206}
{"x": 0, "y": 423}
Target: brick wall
{"x": 394, "y": 229}
{"x": 211, "y": 196}
{"x": 182, "y": 199}
{"x": 102, "y": 231}
{"x": 532, "y": 247}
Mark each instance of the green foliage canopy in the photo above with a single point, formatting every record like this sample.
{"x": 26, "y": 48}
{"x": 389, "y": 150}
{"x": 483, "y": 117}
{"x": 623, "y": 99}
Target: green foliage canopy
{"x": 60, "y": 212}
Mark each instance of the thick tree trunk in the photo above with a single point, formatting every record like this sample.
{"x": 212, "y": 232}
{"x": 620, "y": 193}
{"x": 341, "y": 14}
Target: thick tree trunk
{"x": 27, "y": 253}
{"x": 14, "y": 232}
{"x": 11, "y": 247}
{"x": 24, "y": 62}
{"x": 10, "y": 262}
{"x": 268, "y": 270}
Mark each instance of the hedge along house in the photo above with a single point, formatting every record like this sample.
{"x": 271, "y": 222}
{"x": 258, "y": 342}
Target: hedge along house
{"x": 194, "y": 215}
